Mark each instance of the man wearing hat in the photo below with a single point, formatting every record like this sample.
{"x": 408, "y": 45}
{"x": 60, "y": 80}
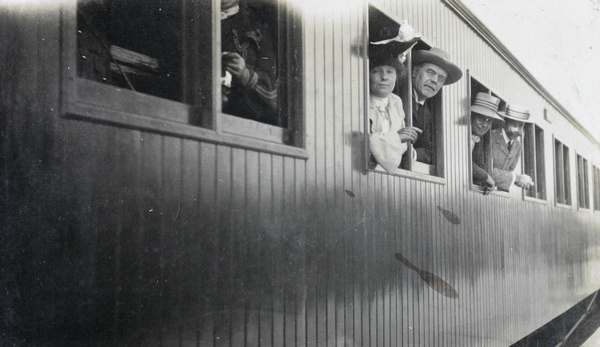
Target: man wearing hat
{"x": 432, "y": 69}
{"x": 506, "y": 149}
{"x": 483, "y": 112}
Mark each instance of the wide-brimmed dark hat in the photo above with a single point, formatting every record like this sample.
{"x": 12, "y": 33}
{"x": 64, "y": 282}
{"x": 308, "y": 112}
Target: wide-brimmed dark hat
{"x": 486, "y": 105}
{"x": 389, "y": 53}
{"x": 440, "y": 58}
{"x": 516, "y": 112}
{"x": 389, "y": 44}
{"x": 391, "y": 48}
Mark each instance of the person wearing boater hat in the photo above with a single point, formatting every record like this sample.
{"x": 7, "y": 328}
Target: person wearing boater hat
{"x": 432, "y": 69}
{"x": 484, "y": 110}
{"x": 388, "y": 134}
{"x": 506, "y": 149}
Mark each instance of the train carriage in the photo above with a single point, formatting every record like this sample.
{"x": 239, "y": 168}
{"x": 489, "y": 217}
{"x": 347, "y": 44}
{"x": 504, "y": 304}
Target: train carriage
{"x": 138, "y": 210}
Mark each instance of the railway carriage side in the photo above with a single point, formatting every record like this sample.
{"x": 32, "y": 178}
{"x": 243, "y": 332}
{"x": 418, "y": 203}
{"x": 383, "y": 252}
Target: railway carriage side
{"x": 154, "y": 196}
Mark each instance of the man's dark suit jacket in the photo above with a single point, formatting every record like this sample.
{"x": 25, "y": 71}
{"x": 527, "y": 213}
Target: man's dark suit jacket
{"x": 479, "y": 157}
{"x": 422, "y": 118}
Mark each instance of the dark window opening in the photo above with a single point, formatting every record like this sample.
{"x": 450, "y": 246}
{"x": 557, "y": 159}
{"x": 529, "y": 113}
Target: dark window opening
{"x": 134, "y": 45}
{"x": 562, "y": 173}
{"x": 583, "y": 195}
{"x": 596, "y": 188}
{"x": 534, "y": 161}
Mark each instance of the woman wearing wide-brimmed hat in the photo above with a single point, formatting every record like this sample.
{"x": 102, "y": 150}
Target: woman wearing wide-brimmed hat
{"x": 388, "y": 135}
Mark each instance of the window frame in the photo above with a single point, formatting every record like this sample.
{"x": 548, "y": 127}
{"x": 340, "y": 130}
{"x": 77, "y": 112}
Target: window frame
{"x": 415, "y": 170}
{"x": 532, "y": 131}
{"x": 201, "y": 118}
{"x": 562, "y": 197}
{"x": 472, "y": 186}
{"x": 583, "y": 182}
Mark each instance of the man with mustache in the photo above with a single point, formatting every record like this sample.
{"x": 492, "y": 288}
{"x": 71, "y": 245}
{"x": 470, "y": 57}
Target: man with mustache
{"x": 432, "y": 69}
{"x": 484, "y": 110}
{"x": 506, "y": 149}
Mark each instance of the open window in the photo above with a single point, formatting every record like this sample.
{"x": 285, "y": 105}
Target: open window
{"x": 596, "y": 188}
{"x": 158, "y": 65}
{"x": 381, "y": 25}
{"x": 534, "y": 160}
{"x": 583, "y": 187}
{"x": 483, "y": 143}
{"x": 562, "y": 174}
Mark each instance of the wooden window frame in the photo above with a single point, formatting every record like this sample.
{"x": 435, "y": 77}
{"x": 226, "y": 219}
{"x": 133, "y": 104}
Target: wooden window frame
{"x": 200, "y": 118}
{"x": 583, "y": 183}
{"x": 471, "y": 92}
{"x": 562, "y": 174}
{"x": 534, "y": 162}
{"x": 410, "y": 168}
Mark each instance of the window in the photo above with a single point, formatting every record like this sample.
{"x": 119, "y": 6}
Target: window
{"x": 596, "y": 188}
{"x": 562, "y": 173}
{"x": 533, "y": 160}
{"x": 485, "y": 158}
{"x": 583, "y": 195}
{"x": 157, "y": 65}
{"x": 382, "y": 26}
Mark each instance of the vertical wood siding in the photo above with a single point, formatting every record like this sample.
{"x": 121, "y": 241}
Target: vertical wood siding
{"x": 131, "y": 237}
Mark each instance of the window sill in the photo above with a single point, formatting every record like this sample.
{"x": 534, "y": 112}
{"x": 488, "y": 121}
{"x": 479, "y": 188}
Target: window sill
{"x": 94, "y": 109}
{"x": 253, "y": 129}
{"x": 565, "y": 206}
{"x": 535, "y": 200}
{"x": 481, "y": 190}
{"x": 412, "y": 175}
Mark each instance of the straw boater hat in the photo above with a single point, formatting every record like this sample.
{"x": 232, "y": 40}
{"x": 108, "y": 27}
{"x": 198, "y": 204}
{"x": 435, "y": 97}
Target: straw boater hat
{"x": 486, "y": 105}
{"x": 516, "y": 112}
{"x": 440, "y": 58}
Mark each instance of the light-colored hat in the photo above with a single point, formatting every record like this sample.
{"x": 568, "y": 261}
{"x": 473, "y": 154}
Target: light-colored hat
{"x": 486, "y": 105}
{"x": 516, "y": 112}
{"x": 440, "y": 58}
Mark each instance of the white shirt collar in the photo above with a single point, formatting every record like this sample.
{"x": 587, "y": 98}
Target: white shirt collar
{"x": 474, "y": 140}
{"x": 506, "y": 139}
{"x": 379, "y": 102}
{"x": 230, "y": 12}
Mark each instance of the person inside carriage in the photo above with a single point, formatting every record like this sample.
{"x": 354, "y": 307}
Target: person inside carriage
{"x": 388, "y": 133}
{"x": 484, "y": 110}
{"x": 249, "y": 82}
{"x": 506, "y": 149}
{"x": 432, "y": 69}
